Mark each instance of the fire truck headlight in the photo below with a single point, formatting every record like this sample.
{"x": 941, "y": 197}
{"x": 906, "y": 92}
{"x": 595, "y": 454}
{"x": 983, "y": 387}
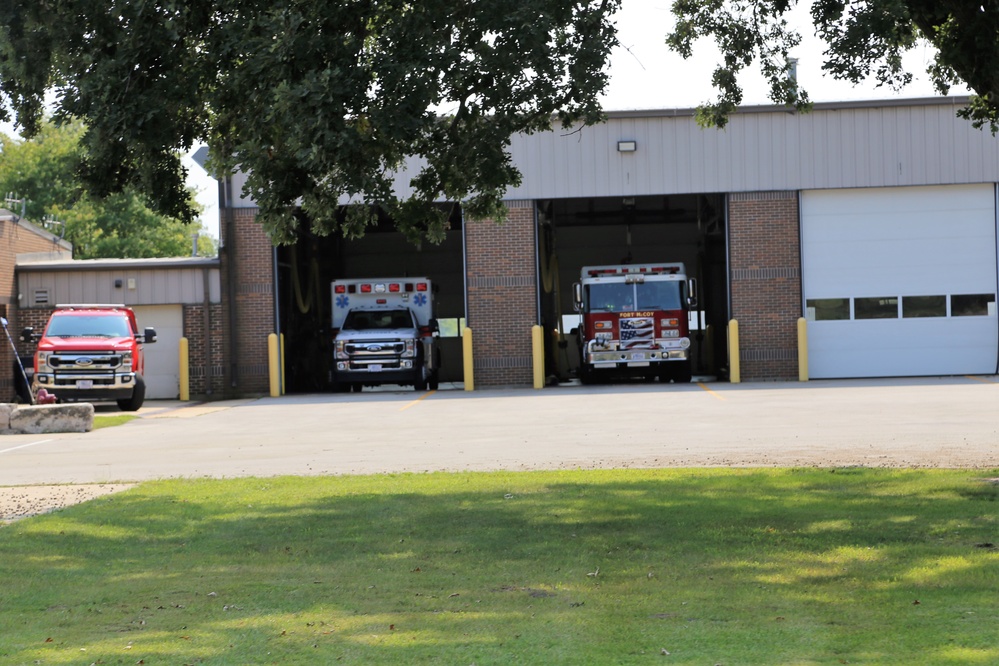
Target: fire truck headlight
{"x": 671, "y": 333}
{"x": 685, "y": 343}
{"x": 604, "y": 324}
{"x": 603, "y": 336}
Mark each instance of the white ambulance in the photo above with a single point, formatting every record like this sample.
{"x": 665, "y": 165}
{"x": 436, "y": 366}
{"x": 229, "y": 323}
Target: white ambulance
{"x": 384, "y": 333}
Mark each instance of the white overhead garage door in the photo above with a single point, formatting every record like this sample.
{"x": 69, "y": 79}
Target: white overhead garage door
{"x": 162, "y": 373}
{"x": 900, "y": 281}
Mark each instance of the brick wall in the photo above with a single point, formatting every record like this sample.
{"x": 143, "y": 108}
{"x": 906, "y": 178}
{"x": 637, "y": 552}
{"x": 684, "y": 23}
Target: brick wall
{"x": 765, "y": 269}
{"x": 250, "y": 295}
{"x": 16, "y": 239}
{"x": 206, "y": 364}
{"x": 501, "y": 278}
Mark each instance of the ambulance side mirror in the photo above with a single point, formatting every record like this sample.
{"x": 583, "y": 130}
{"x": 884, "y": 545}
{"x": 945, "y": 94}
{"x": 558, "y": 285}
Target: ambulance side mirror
{"x": 692, "y": 292}
{"x": 577, "y": 297}
{"x": 434, "y": 325}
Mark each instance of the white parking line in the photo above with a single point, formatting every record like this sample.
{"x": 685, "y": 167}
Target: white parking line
{"x": 24, "y": 446}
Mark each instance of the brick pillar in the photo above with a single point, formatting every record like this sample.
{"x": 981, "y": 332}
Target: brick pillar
{"x": 206, "y": 367}
{"x": 765, "y": 269}
{"x": 502, "y": 287}
{"x": 248, "y": 295}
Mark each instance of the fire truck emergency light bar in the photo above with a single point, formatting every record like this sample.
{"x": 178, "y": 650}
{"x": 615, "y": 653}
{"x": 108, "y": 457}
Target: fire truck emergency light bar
{"x": 379, "y": 288}
{"x": 623, "y": 270}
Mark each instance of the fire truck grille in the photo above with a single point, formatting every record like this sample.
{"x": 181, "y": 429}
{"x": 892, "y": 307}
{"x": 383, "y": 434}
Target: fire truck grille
{"x": 638, "y": 333}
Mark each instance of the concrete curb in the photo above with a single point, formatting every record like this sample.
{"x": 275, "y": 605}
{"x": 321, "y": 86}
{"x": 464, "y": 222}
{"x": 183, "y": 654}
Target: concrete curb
{"x": 38, "y": 419}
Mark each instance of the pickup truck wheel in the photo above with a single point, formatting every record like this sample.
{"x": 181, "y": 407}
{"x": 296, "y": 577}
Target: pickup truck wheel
{"x": 434, "y": 381}
{"x": 138, "y": 396}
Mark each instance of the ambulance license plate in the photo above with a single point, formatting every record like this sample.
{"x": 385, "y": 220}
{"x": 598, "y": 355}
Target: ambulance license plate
{"x": 375, "y": 367}
{"x": 84, "y": 383}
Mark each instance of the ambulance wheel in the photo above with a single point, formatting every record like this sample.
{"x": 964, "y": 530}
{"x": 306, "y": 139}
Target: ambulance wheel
{"x": 138, "y": 396}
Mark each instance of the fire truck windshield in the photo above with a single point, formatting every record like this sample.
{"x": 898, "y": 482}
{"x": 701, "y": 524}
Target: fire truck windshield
{"x": 659, "y": 295}
{"x": 621, "y": 297}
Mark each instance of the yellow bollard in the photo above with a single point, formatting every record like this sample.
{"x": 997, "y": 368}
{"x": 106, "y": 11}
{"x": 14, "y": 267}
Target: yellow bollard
{"x": 272, "y": 364}
{"x": 283, "y": 385}
{"x": 733, "y": 351}
{"x": 466, "y": 354}
{"x": 185, "y": 374}
{"x": 802, "y": 350}
{"x": 538, "y": 352}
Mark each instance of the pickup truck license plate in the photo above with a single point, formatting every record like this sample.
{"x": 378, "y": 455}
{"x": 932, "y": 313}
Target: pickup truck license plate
{"x": 84, "y": 383}
{"x": 375, "y": 367}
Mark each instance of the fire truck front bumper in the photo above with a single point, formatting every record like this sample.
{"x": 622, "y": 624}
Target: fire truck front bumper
{"x": 635, "y": 358}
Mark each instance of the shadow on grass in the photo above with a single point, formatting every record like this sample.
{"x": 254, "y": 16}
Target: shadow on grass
{"x": 751, "y": 567}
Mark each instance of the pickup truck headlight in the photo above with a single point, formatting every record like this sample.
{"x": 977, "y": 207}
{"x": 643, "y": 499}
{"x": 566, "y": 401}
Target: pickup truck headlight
{"x": 410, "y": 350}
{"x": 43, "y": 361}
{"x": 340, "y": 351}
{"x": 126, "y": 361}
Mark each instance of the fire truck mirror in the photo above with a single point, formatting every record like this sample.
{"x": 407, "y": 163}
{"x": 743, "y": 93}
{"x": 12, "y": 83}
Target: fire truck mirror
{"x": 577, "y": 296}
{"x": 692, "y": 292}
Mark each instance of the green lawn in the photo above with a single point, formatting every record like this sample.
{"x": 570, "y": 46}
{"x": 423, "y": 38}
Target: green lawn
{"x": 793, "y": 566}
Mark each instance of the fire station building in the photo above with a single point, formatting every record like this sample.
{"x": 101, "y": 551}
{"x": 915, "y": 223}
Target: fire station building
{"x": 875, "y": 221}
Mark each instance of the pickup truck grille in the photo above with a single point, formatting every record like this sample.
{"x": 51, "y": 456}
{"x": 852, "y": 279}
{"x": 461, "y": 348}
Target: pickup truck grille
{"x": 85, "y": 362}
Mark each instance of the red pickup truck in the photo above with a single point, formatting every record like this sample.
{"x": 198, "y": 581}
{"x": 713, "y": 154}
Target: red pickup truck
{"x": 91, "y": 353}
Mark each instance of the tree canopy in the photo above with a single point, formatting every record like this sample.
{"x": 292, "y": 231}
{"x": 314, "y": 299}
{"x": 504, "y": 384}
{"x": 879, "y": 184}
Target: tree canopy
{"x": 864, "y": 39}
{"x": 43, "y": 172}
{"x": 315, "y": 101}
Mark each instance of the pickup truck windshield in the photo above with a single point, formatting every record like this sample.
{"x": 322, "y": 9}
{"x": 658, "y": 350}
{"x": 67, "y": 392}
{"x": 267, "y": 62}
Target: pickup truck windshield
{"x": 83, "y": 326}
{"x": 383, "y": 319}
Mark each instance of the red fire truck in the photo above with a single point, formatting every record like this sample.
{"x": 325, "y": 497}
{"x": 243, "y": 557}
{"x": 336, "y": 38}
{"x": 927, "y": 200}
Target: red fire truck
{"x": 634, "y": 321}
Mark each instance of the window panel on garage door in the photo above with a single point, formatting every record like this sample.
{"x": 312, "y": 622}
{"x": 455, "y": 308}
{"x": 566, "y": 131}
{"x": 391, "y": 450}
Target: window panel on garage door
{"x": 891, "y": 277}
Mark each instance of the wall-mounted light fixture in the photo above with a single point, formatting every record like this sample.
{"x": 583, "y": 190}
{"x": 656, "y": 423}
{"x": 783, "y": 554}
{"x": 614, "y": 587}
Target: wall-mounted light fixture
{"x": 627, "y": 146}
{"x": 117, "y": 283}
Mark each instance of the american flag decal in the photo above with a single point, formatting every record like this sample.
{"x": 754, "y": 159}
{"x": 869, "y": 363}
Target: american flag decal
{"x": 636, "y": 333}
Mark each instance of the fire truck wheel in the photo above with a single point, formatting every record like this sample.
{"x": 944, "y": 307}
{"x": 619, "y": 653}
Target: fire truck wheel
{"x": 682, "y": 374}
{"x": 138, "y": 396}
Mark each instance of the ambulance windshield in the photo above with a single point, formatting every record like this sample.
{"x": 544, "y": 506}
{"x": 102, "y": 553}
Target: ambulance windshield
{"x": 360, "y": 320}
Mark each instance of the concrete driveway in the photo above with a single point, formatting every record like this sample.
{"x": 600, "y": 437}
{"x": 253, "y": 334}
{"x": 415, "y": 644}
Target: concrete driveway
{"x": 938, "y": 422}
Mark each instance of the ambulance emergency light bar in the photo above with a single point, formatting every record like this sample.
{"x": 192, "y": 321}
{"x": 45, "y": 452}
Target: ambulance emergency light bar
{"x": 380, "y": 287}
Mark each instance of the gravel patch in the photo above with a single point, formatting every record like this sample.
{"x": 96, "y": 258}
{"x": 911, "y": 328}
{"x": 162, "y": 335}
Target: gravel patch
{"x": 18, "y": 502}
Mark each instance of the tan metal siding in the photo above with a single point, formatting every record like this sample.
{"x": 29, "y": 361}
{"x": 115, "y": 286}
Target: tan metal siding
{"x": 152, "y": 287}
{"x": 776, "y": 150}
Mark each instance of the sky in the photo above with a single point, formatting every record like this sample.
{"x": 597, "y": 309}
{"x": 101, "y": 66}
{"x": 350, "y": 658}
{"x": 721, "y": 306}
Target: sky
{"x": 645, "y": 75}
